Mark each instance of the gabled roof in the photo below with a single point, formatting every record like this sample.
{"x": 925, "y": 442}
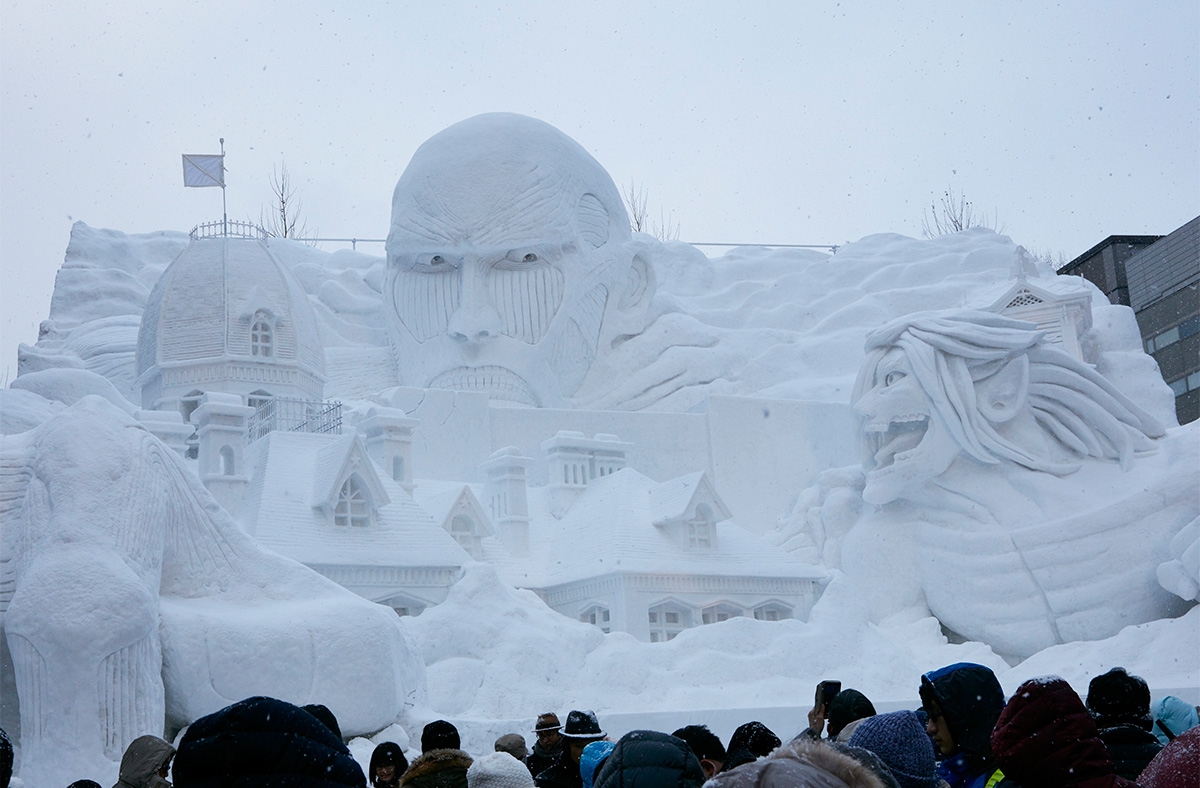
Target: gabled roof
{"x": 676, "y": 499}
{"x": 344, "y": 455}
{"x": 285, "y": 480}
{"x": 610, "y": 528}
{"x": 444, "y": 504}
{"x": 1022, "y": 291}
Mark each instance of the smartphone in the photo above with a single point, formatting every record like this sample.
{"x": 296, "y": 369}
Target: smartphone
{"x": 825, "y": 692}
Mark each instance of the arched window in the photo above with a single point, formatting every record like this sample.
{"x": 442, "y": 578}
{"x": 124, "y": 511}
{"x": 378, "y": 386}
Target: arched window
{"x": 597, "y": 615}
{"x": 668, "y": 620}
{"x": 700, "y": 528}
{"x": 772, "y": 611}
{"x": 226, "y": 456}
{"x": 353, "y": 504}
{"x": 722, "y": 611}
{"x": 397, "y": 468}
{"x": 261, "y": 337}
{"x": 462, "y": 528}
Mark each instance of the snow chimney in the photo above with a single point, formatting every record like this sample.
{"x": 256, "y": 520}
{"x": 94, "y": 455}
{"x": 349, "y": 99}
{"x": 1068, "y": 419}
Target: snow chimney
{"x": 388, "y": 436}
{"x": 507, "y": 499}
{"x": 221, "y": 427}
{"x": 575, "y": 461}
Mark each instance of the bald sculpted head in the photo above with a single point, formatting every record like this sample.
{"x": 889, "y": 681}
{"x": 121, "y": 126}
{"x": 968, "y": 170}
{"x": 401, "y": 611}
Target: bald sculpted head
{"x": 510, "y": 262}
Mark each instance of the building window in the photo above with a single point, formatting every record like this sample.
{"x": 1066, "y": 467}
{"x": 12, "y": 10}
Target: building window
{"x": 668, "y": 620}
{"x": 597, "y": 616}
{"x": 462, "y": 528}
{"x": 397, "y": 469}
{"x": 772, "y": 611}
{"x": 354, "y": 504}
{"x": 1172, "y": 335}
{"x": 700, "y": 528}
{"x": 260, "y": 337}
{"x": 256, "y": 399}
{"x": 226, "y": 456}
{"x": 720, "y": 612}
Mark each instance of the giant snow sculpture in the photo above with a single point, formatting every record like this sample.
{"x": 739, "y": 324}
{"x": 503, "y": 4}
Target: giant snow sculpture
{"x": 511, "y": 264}
{"x": 1022, "y": 495}
{"x": 137, "y": 603}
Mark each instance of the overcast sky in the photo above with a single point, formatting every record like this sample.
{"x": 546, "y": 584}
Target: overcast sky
{"x": 770, "y": 122}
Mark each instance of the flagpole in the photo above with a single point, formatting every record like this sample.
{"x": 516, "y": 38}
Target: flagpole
{"x": 224, "y": 211}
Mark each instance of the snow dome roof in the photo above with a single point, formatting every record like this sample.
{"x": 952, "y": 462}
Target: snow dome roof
{"x": 205, "y": 303}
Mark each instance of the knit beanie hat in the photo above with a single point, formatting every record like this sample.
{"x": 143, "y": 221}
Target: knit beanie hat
{"x": 498, "y": 770}
{"x": 901, "y": 743}
{"x": 1117, "y": 698}
{"x": 590, "y": 759}
{"x": 440, "y": 735}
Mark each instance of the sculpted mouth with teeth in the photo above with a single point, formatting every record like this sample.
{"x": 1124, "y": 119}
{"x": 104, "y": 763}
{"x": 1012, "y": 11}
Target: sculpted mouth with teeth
{"x": 498, "y": 382}
{"x": 897, "y": 440}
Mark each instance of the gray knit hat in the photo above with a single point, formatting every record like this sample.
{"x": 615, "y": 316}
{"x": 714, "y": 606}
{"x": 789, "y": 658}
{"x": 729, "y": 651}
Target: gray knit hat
{"x": 900, "y": 741}
{"x": 498, "y": 770}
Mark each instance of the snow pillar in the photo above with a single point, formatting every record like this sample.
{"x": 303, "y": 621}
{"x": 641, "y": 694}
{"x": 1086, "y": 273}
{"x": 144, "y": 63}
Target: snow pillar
{"x": 169, "y": 427}
{"x": 387, "y": 433}
{"x": 506, "y": 495}
{"x": 221, "y": 426}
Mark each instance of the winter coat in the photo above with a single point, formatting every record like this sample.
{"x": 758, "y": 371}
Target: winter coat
{"x": 970, "y": 699}
{"x": 542, "y": 759}
{"x": 1045, "y": 738}
{"x": 561, "y": 773}
{"x": 264, "y": 741}
{"x": 1131, "y": 748}
{"x": 801, "y": 763}
{"x": 144, "y": 758}
{"x": 1177, "y": 766}
{"x": 1175, "y": 715}
{"x": 650, "y": 759}
{"x": 438, "y": 769}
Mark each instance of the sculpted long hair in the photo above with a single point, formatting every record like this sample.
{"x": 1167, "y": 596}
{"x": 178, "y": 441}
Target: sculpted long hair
{"x": 954, "y": 353}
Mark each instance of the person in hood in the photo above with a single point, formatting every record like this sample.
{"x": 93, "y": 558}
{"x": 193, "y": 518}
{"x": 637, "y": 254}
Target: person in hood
{"x": 1173, "y": 716}
{"x": 650, "y": 759}
{"x": 962, "y": 702}
{"x": 1120, "y": 705}
{"x": 442, "y": 764}
{"x": 387, "y": 764}
{"x": 1046, "y": 739}
{"x": 593, "y": 757}
{"x": 749, "y": 742}
{"x": 1177, "y": 765}
{"x": 801, "y": 763}
{"x": 146, "y": 763}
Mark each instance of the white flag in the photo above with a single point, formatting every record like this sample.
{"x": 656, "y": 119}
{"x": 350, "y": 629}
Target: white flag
{"x": 203, "y": 170}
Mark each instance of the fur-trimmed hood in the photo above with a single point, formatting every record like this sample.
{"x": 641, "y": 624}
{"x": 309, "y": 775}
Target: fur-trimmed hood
{"x": 801, "y": 763}
{"x": 435, "y": 761}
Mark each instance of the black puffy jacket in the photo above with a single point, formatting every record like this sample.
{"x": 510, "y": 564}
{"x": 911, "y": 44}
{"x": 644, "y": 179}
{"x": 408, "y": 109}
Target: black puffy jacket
{"x": 264, "y": 742}
{"x": 650, "y": 759}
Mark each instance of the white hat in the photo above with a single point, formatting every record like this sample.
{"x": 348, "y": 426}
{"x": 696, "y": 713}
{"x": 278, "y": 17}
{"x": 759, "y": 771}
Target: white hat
{"x": 498, "y": 770}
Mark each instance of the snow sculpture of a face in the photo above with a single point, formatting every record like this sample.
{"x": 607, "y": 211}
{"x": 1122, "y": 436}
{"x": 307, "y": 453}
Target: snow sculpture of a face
{"x": 937, "y": 387}
{"x": 509, "y": 262}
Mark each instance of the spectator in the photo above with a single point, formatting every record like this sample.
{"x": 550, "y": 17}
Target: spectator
{"x": 582, "y": 728}
{"x": 1046, "y": 739}
{"x": 498, "y": 770}
{"x": 1177, "y": 765}
{"x": 706, "y": 746}
{"x": 846, "y": 708}
{"x": 901, "y": 743}
{"x": 650, "y": 759}
{"x": 963, "y": 702}
{"x": 387, "y": 764}
{"x": 6, "y": 759}
{"x": 1120, "y": 705}
{"x": 326, "y": 716}
{"x": 593, "y": 757}
{"x": 1172, "y": 717}
{"x": 441, "y": 764}
{"x": 76, "y": 784}
{"x": 146, "y": 763}
{"x": 263, "y": 740}
{"x": 513, "y": 744}
{"x": 801, "y": 763}
{"x": 548, "y": 745}
{"x": 749, "y": 742}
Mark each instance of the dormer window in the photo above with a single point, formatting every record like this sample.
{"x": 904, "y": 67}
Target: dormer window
{"x": 261, "y": 337}
{"x": 353, "y": 503}
{"x": 722, "y": 611}
{"x": 773, "y": 611}
{"x": 700, "y": 528}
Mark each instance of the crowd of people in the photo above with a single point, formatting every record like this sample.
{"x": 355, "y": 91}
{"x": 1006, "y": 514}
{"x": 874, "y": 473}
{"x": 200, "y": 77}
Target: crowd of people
{"x": 964, "y": 735}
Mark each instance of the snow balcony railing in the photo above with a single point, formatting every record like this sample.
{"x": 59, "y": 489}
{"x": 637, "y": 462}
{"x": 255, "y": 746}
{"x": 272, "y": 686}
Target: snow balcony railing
{"x": 228, "y": 229}
{"x": 295, "y": 415}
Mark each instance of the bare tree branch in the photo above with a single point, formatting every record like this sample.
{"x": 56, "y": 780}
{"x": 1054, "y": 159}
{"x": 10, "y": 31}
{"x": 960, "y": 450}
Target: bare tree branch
{"x": 284, "y": 219}
{"x": 955, "y": 214}
{"x": 665, "y": 229}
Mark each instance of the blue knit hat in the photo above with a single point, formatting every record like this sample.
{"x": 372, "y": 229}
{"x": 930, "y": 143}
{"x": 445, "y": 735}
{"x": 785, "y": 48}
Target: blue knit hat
{"x": 590, "y": 759}
{"x": 900, "y": 741}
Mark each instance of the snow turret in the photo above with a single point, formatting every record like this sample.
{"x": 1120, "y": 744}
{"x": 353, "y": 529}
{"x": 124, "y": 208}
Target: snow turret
{"x": 575, "y": 460}
{"x": 228, "y": 316}
{"x": 388, "y": 435}
{"x": 221, "y": 426}
{"x": 506, "y": 495}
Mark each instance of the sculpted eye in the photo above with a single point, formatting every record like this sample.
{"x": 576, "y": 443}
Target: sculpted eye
{"x": 437, "y": 259}
{"x": 523, "y": 257}
{"x": 893, "y": 378}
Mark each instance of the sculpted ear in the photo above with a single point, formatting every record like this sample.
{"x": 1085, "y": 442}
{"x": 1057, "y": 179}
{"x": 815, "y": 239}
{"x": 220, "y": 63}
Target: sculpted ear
{"x": 1001, "y": 395}
{"x": 639, "y": 288}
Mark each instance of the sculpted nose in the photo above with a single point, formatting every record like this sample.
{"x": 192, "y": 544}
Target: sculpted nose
{"x": 476, "y": 318}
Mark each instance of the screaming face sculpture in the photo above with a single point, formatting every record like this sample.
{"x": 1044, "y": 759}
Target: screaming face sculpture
{"x": 509, "y": 263}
